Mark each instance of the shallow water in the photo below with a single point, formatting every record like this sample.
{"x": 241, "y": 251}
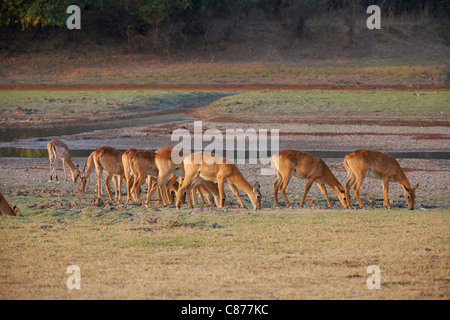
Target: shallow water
{"x": 42, "y": 153}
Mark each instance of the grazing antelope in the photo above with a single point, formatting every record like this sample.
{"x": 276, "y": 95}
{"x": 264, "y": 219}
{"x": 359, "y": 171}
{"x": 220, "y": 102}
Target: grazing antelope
{"x": 6, "y": 208}
{"x": 377, "y": 165}
{"x": 169, "y": 173}
{"x": 142, "y": 164}
{"x": 216, "y": 168}
{"x": 302, "y": 165}
{"x": 59, "y": 150}
{"x": 109, "y": 160}
{"x": 129, "y": 178}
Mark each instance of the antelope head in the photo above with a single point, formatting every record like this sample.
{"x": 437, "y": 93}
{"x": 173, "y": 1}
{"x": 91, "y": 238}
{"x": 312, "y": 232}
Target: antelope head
{"x": 17, "y": 211}
{"x": 83, "y": 179}
{"x": 76, "y": 174}
{"x": 410, "y": 195}
{"x": 256, "y": 196}
{"x": 345, "y": 200}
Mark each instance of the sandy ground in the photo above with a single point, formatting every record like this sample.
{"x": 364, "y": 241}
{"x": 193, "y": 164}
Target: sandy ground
{"x": 291, "y": 136}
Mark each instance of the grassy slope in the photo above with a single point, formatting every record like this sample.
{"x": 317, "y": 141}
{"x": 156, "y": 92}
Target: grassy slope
{"x": 378, "y": 106}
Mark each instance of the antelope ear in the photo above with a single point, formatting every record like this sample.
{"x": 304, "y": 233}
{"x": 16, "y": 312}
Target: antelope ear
{"x": 405, "y": 188}
{"x": 256, "y": 186}
{"x": 416, "y": 186}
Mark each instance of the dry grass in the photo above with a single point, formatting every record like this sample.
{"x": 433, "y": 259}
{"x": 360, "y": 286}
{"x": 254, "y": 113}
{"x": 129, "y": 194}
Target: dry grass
{"x": 209, "y": 254}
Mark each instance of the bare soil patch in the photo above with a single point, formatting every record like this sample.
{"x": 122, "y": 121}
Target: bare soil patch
{"x": 432, "y": 122}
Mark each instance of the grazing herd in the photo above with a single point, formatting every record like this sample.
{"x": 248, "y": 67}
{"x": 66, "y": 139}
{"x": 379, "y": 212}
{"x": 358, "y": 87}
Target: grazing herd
{"x": 204, "y": 175}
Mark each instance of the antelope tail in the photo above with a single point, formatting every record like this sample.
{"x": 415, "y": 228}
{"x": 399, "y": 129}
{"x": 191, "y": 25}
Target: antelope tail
{"x": 274, "y": 162}
{"x": 53, "y": 151}
{"x": 347, "y": 167}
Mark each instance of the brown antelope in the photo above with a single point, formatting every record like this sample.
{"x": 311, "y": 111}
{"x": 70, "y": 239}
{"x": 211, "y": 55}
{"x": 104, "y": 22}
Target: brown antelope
{"x": 129, "y": 178}
{"x": 302, "y": 165}
{"x": 6, "y": 208}
{"x": 58, "y": 150}
{"x": 142, "y": 164}
{"x": 109, "y": 160}
{"x": 377, "y": 165}
{"x": 211, "y": 167}
{"x": 169, "y": 172}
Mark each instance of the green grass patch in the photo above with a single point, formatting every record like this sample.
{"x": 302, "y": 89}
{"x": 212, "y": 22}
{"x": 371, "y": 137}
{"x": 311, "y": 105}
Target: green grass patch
{"x": 375, "y": 105}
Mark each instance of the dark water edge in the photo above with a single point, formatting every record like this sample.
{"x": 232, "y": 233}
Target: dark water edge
{"x": 42, "y": 153}
{"x": 18, "y": 133}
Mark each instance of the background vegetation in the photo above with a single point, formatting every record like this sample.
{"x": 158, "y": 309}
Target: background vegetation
{"x": 162, "y": 25}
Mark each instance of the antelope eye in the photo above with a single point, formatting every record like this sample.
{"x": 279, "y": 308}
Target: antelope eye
{"x": 409, "y": 197}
